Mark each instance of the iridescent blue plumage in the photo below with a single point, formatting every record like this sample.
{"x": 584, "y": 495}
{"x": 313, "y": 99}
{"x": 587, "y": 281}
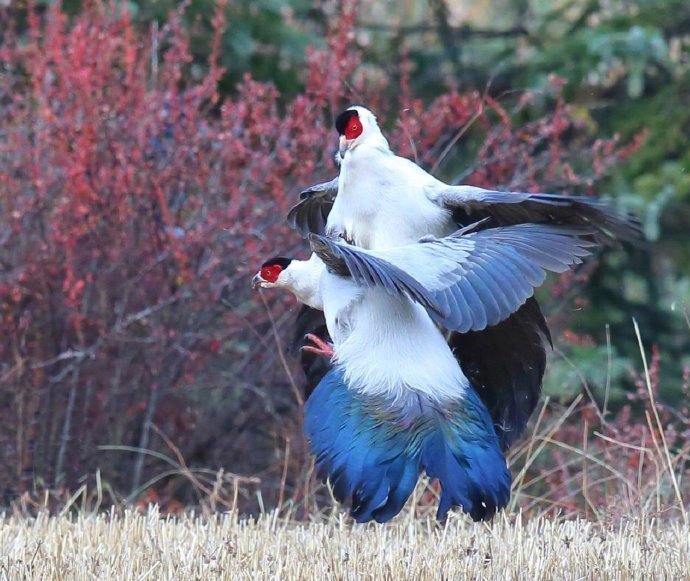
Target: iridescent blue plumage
{"x": 373, "y": 450}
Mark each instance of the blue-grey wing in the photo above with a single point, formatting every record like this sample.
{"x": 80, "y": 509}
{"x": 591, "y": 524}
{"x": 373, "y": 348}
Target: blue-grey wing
{"x": 371, "y": 271}
{"x": 467, "y": 281}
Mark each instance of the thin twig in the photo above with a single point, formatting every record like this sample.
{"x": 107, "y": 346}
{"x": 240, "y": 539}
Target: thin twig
{"x": 281, "y": 352}
{"x": 583, "y": 380}
{"x": 66, "y": 428}
{"x": 608, "y": 371}
{"x": 464, "y": 129}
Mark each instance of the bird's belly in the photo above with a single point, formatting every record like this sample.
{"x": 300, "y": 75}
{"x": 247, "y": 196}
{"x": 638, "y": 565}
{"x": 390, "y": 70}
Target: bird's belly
{"x": 394, "y": 229}
{"x": 392, "y": 347}
{"x": 340, "y": 297}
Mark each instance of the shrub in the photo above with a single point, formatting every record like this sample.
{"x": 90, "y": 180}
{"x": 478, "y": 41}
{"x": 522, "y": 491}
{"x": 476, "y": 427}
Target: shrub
{"x": 134, "y": 197}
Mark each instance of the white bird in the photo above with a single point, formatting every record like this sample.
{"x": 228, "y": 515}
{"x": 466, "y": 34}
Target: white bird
{"x": 381, "y": 201}
{"x": 396, "y": 402}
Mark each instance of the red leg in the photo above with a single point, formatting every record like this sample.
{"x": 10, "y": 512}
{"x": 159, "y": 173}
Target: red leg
{"x": 320, "y": 347}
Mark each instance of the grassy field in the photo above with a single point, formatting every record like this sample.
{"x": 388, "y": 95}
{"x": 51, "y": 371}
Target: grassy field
{"x": 148, "y": 546}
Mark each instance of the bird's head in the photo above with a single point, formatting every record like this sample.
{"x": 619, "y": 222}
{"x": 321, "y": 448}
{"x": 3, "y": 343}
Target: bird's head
{"x": 356, "y": 125}
{"x": 273, "y": 274}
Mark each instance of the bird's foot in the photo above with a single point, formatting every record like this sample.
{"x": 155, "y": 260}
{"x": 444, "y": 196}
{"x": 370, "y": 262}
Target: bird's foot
{"x": 320, "y": 346}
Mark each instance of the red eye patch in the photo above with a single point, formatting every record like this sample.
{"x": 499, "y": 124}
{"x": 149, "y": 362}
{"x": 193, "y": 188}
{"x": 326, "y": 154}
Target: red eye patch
{"x": 354, "y": 128}
{"x": 271, "y": 273}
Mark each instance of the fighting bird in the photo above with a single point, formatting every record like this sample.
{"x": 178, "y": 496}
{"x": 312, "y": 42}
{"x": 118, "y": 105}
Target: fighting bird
{"x": 380, "y": 201}
{"x": 396, "y": 402}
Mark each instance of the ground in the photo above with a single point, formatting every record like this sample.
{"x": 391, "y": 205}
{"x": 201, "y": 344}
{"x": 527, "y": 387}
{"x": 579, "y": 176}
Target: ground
{"x": 134, "y": 546}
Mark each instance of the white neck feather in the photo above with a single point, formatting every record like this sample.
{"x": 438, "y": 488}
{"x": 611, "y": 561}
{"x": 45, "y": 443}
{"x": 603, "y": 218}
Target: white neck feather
{"x": 303, "y": 279}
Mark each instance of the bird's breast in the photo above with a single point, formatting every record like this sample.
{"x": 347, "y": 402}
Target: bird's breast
{"x": 392, "y": 347}
{"x": 378, "y": 207}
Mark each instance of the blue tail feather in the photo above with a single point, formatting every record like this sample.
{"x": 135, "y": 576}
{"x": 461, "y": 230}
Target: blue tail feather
{"x": 374, "y": 450}
{"x": 404, "y": 477}
{"x": 472, "y": 475}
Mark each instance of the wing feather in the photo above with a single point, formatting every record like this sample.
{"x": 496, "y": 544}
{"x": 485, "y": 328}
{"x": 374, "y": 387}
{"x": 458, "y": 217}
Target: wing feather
{"x": 469, "y": 203}
{"x": 310, "y": 214}
{"x": 459, "y": 312}
{"x": 486, "y": 296}
{"x": 514, "y": 286}
{"x": 497, "y": 282}
{"x": 469, "y": 281}
{"x": 371, "y": 271}
{"x": 478, "y": 317}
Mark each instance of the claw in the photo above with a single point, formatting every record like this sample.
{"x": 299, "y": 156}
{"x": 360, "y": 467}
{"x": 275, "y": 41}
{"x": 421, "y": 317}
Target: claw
{"x": 320, "y": 346}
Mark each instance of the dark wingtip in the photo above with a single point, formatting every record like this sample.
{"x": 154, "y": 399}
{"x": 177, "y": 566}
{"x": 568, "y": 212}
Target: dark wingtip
{"x": 306, "y": 194}
{"x": 471, "y": 227}
{"x": 318, "y": 240}
{"x": 294, "y": 221}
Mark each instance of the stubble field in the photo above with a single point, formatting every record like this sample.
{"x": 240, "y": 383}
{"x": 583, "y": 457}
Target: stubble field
{"x": 135, "y": 546}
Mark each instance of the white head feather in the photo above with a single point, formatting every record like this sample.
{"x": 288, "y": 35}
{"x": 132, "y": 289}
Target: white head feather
{"x": 381, "y": 201}
{"x": 370, "y": 135}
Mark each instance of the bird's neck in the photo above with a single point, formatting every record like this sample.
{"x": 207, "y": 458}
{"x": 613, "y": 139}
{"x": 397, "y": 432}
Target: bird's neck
{"x": 303, "y": 281}
{"x": 366, "y": 160}
{"x": 375, "y": 141}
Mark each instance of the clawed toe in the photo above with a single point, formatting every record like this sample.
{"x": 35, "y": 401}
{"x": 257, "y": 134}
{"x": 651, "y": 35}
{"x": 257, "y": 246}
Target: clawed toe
{"x": 320, "y": 346}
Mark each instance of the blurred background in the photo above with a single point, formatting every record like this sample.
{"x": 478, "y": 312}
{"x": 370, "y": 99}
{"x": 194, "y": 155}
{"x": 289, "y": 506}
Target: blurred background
{"x": 149, "y": 152}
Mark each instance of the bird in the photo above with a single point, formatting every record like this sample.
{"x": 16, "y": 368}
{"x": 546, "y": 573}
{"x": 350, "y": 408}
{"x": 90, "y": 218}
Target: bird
{"x": 380, "y": 200}
{"x": 396, "y": 403}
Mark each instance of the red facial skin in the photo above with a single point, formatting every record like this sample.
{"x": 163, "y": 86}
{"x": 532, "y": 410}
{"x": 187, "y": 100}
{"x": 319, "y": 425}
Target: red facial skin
{"x": 271, "y": 273}
{"x": 354, "y": 128}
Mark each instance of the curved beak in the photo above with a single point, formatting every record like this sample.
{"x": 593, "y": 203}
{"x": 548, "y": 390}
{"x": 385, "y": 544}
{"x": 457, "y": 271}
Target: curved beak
{"x": 342, "y": 148}
{"x": 256, "y": 281}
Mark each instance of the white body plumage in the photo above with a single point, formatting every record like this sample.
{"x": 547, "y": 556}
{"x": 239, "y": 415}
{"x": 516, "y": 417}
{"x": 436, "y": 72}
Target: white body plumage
{"x": 382, "y": 201}
{"x": 380, "y": 205}
{"x": 387, "y": 345}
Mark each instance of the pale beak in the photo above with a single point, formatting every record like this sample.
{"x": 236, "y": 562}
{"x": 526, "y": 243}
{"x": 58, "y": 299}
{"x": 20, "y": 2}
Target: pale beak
{"x": 344, "y": 143}
{"x": 256, "y": 281}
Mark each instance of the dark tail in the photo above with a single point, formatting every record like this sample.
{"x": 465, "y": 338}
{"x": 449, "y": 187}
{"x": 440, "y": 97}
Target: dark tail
{"x": 314, "y": 366}
{"x": 505, "y": 364}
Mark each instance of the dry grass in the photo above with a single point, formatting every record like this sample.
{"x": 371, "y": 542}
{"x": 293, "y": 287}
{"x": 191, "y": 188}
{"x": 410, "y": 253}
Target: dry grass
{"x": 637, "y": 504}
{"x": 136, "y": 546}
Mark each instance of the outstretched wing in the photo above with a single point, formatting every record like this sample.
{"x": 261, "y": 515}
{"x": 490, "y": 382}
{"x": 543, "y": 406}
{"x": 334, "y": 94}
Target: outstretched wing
{"x": 466, "y": 281}
{"x": 370, "y": 271}
{"x": 507, "y": 208}
{"x": 310, "y": 214}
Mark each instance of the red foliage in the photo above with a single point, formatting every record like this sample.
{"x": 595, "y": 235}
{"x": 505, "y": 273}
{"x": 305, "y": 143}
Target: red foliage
{"x": 610, "y": 466}
{"x": 134, "y": 198}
